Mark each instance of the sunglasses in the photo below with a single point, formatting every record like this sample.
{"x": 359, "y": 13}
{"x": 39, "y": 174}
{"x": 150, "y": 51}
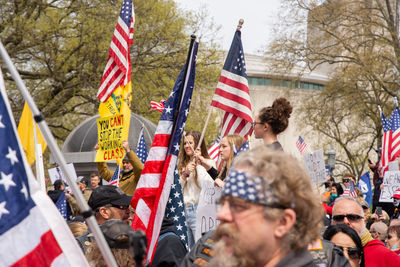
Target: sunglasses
{"x": 350, "y": 217}
{"x": 389, "y": 237}
{"x": 353, "y": 252}
{"x": 346, "y": 180}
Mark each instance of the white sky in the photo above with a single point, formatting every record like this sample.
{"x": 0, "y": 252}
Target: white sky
{"x": 259, "y": 17}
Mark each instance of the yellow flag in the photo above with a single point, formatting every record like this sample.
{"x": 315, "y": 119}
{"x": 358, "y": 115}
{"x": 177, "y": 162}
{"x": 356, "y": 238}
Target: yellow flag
{"x": 25, "y": 132}
{"x": 117, "y": 104}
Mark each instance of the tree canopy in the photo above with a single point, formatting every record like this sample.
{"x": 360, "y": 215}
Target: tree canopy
{"x": 60, "y": 48}
{"x": 357, "y": 44}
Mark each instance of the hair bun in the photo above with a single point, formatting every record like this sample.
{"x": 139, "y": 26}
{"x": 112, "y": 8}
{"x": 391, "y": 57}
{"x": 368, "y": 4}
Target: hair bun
{"x": 282, "y": 108}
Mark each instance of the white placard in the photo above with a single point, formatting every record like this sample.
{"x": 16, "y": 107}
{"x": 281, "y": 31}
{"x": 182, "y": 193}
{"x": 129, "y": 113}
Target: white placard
{"x": 393, "y": 165}
{"x": 56, "y": 173}
{"x": 206, "y": 215}
{"x": 315, "y": 166}
{"x": 391, "y": 182}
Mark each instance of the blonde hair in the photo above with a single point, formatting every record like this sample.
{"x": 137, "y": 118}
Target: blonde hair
{"x": 233, "y": 139}
{"x": 292, "y": 185}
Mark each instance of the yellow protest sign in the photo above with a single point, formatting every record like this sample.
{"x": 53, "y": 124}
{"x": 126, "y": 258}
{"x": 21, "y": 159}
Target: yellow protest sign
{"x": 110, "y": 136}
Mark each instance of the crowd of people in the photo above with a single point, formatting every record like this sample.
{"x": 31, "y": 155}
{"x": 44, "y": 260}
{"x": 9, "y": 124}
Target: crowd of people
{"x": 268, "y": 213}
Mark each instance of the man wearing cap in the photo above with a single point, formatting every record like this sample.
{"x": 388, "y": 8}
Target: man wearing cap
{"x": 130, "y": 173}
{"x": 83, "y": 183}
{"x": 348, "y": 210}
{"x": 108, "y": 202}
{"x": 396, "y": 203}
{"x": 267, "y": 211}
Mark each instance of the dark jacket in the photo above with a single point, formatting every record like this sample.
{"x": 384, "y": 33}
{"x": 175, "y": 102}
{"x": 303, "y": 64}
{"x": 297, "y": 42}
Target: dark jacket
{"x": 54, "y": 195}
{"x": 200, "y": 254}
{"x": 325, "y": 254}
{"x": 170, "y": 249}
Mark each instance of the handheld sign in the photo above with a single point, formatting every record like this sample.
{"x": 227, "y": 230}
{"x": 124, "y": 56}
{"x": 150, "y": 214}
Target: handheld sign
{"x": 110, "y": 136}
{"x": 391, "y": 182}
{"x": 206, "y": 215}
{"x": 56, "y": 173}
{"x": 315, "y": 166}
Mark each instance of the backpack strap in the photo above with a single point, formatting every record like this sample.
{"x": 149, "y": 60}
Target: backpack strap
{"x": 161, "y": 237}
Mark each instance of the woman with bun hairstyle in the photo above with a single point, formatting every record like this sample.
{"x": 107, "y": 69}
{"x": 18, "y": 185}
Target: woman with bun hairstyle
{"x": 192, "y": 176}
{"x": 226, "y": 154}
{"x": 271, "y": 121}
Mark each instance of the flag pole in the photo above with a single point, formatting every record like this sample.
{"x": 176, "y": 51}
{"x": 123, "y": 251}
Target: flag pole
{"x": 239, "y": 27}
{"x": 59, "y": 158}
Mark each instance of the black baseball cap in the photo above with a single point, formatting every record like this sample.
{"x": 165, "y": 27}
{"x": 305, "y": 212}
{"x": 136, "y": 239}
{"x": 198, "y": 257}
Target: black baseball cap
{"x": 108, "y": 194}
{"x": 113, "y": 229}
{"x": 83, "y": 180}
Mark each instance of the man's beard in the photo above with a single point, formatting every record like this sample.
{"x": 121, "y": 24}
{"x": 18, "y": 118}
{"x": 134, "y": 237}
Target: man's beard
{"x": 232, "y": 254}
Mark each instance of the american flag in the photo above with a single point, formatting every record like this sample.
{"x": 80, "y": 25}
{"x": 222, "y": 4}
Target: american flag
{"x": 213, "y": 151}
{"x": 176, "y": 209}
{"x": 158, "y": 106}
{"x": 32, "y": 232}
{"x": 301, "y": 145}
{"x": 350, "y": 190}
{"x": 141, "y": 150}
{"x": 118, "y": 68}
{"x": 61, "y": 205}
{"x": 232, "y": 92}
{"x": 151, "y": 195}
{"x": 243, "y": 147}
{"x": 115, "y": 178}
{"x": 395, "y": 138}
{"x": 386, "y": 142}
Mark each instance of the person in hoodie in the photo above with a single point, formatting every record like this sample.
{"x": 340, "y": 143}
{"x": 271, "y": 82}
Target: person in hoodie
{"x": 55, "y": 194}
{"x": 170, "y": 249}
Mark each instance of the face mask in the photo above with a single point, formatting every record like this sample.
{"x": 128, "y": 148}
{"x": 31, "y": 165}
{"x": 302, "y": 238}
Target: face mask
{"x": 394, "y": 247}
{"x": 333, "y": 196}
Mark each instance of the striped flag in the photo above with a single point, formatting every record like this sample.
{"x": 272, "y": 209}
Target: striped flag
{"x": 151, "y": 195}
{"x": 232, "y": 92}
{"x": 118, "y": 68}
{"x": 386, "y": 143}
{"x": 213, "y": 151}
{"x": 158, "y": 106}
{"x": 350, "y": 190}
{"x": 141, "y": 149}
{"x": 395, "y": 139}
{"x": 115, "y": 178}
{"x": 32, "y": 231}
{"x": 301, "y": 145}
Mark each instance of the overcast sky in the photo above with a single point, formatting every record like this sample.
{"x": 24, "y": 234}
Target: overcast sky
{"x": 258, "y": 15}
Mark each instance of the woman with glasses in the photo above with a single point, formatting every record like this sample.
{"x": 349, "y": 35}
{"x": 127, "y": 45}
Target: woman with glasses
{"x": 271, "y": 121}
{"x": 347, "y": 240}
{"x": 393, "y": 239}
{"x": 192, "y": 176}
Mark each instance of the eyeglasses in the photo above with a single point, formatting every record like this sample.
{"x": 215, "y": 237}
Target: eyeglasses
{"x": 346, "y": 180}
{"x": 353, "y": 252}
{"x": 350, "y": 217}
{"x": 255, "y": 122}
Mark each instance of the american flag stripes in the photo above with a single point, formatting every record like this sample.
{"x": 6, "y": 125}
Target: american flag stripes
{"x": 301, "y": 145}
{"x": 118, "y": 68}
{"x": 158, "y": 106}
{"x": 232, "y": 92}
{"x": 386, "y": 142}
{"x": 213, "y": 151}
{"x": 141, "y": 149}
{"x": 151, "y": 195}
{"x": 395, "y": 138}
{"x": 350, "y": 190}
{"x": 115, "y": 178}
{"x": 176, "y": 209}
{"x": 32, "y": 232}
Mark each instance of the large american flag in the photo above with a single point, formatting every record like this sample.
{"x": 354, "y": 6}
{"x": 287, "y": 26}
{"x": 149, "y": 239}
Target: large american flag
{"x": 176, "y": 208}
{"x": 151, "y": 195}
{"x": 118, "y": 68}
{"x": 395, "y": 139}
{"x": 232, "y": 92}
{"x": 32, "y": 231}
{"x": 386, "y": 142}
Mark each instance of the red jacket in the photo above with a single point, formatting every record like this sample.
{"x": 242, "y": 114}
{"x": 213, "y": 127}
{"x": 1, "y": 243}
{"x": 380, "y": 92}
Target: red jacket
{"x": 377, "y": 255}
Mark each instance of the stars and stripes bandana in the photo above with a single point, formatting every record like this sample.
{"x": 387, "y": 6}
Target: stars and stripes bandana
{"x": 250, "y": 187}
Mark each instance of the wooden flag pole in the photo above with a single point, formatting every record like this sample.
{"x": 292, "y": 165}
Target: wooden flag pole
{"x": 239, "y": 27}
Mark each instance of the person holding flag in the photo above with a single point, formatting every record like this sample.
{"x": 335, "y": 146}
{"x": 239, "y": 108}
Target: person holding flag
{"x": 271, "y": 121}
{"x": 130, "y": 173}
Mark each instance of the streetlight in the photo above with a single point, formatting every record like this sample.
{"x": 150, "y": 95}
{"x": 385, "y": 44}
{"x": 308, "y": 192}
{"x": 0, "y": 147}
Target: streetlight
{"x": 331, "y": 161}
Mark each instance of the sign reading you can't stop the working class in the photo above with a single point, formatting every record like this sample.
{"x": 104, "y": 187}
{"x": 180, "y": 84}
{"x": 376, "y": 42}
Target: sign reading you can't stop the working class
{"x": 110, "y": 136}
